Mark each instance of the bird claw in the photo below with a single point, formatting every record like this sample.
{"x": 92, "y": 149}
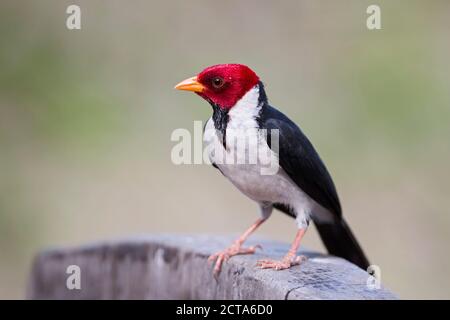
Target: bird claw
{"x": 225, "y": 255}
{"x": 283, "y": 264}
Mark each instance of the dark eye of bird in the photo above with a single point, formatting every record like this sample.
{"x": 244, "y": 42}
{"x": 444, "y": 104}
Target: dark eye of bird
{"x": 217, "y": 82}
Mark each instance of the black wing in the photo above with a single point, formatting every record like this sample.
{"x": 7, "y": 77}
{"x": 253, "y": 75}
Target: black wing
{"x": 300, "y": 160}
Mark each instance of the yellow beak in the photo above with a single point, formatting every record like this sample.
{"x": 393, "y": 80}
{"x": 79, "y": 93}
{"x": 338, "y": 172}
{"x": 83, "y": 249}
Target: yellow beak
{"x": 190, "y": 84}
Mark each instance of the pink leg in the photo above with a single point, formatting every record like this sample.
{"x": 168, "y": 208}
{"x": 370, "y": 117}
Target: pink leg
{"x": 289, "y": 260}
{"x": 236, "y": 248}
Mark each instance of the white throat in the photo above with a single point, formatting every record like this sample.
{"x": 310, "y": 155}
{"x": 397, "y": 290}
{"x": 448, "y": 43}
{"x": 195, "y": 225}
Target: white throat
{"x": 245, "y": 112}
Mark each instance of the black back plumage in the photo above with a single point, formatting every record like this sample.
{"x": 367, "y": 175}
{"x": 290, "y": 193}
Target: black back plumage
{"x": 298, "y": 158}
{"x": 300, "y": 161}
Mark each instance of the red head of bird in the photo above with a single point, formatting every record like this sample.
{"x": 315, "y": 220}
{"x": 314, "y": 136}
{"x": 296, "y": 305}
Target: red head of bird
{"x": 223, "y": 84}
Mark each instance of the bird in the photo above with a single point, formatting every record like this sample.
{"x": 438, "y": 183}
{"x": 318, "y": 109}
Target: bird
{"x": 301, "y": 185}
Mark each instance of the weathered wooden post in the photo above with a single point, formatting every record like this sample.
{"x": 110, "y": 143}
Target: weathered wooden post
{"x": 175, "y": 267}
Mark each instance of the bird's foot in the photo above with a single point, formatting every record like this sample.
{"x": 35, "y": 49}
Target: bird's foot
{"x": 288, "y": 261}
{"x": 226, "y": 254}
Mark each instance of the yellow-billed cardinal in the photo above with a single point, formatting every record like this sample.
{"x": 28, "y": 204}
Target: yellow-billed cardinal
{"x": 301, "y": 188}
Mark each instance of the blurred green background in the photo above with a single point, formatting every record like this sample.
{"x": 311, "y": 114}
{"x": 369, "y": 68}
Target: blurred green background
{"x": 86, "y": 118}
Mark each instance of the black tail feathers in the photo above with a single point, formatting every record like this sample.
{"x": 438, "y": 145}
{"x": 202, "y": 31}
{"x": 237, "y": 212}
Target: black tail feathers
{"x": 340, "y": 241}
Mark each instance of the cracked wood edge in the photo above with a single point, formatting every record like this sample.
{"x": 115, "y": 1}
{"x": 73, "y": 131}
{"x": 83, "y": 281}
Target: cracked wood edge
{"x": 175, "y": 267}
